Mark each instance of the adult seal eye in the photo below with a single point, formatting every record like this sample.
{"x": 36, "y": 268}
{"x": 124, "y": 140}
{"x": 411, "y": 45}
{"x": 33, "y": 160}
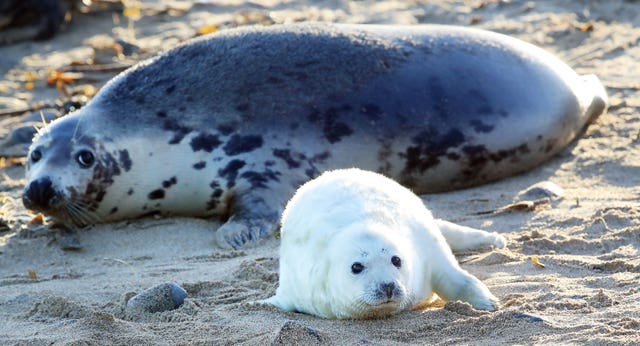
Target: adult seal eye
{"x": 85, "y": 158}
{"x": 357, "y": 268}
{"x": 36, "y": 155}
{"x": 396, "y": 261}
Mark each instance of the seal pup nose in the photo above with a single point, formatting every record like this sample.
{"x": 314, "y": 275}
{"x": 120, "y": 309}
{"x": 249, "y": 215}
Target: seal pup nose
{"x": 388, "y": 289}
{"x": 38, "y": 193}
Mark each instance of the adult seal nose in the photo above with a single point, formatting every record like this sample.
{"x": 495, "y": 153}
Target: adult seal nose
{"x": 38, "y": 194}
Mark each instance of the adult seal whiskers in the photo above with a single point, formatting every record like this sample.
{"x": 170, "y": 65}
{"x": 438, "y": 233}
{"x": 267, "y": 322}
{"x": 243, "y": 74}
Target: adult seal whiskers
{"x": 229, "y": 125}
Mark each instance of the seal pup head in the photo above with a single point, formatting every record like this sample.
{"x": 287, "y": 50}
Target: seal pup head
{"x": 68, "y": 172}
{"x": 369, "y": 273}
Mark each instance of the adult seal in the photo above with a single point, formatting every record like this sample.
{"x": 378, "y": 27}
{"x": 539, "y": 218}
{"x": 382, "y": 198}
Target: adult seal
{"x": 229, "y": 125}
{"x": 355, "y": 244}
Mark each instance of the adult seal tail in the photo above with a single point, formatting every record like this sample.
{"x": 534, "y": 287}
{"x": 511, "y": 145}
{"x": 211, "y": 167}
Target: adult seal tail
{"x": 229, "y": 125}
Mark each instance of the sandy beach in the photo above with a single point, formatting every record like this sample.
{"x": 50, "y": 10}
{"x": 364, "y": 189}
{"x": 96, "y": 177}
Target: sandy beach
{"x": 583, "y": 289}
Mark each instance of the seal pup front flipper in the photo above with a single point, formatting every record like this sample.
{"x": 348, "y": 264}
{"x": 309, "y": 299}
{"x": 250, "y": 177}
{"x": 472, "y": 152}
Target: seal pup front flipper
{"x": 451, "y": 283}
{"x": 461, "y": 238}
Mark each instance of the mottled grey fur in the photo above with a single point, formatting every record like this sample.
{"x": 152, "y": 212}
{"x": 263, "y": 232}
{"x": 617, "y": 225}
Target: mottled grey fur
{"x": 258, "y": 111}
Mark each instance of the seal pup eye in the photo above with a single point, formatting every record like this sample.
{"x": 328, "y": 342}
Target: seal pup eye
{"x": 85, "y": 158}
{"x": 357, "y": 268}
{"x": 396, "y": 261}
{"x": 36, "y": 155}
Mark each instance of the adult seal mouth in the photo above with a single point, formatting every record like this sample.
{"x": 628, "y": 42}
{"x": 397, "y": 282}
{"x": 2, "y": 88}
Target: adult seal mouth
{"x": 229, "y": 125}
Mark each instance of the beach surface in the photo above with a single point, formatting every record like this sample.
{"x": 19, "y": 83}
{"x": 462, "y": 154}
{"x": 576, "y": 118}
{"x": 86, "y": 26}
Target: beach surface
{"x": 569, "y": 274}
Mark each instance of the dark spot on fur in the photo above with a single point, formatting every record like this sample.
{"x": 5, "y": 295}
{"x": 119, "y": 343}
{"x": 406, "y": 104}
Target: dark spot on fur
{"x": 551, "y": 143}
{"x": 200, "y": 165}
{"x": 503, "y": 113}
{"x": 484, "y": 110}
{"x": 168, "y": 183}
{"x": 156, "y": 194}
{"x": 243, "y": 107}
{"x": 294, "y": 126}
{"x": 477, "y": 155}
{"x": 479, "y": 126}
{"x": 256, "y": 179}
{"x": 113, "y": 210}
{"x": 285, "y": 155}
{"x": 206, "y": 142}
{"x": 311, "y": 172}
{"x": 333, "y": 129}
{"x": 104, "y": 171}
{"x": 140, "y": 100}
{"x": 125, "y": 160}
{"x": 320, "y": 157}
{"x": 179, "y": 131}
{"x": 242, "y": 144}
{"x": 100, "y": 196}
{"x": 215, "y": 195}
{"x": 212, "y": 203}
{"x": 226, "y": 129}
{"x": 161, "y": 114}
{"x": 230, "y": 172}
{"x": 130, "y": 192}
{"x": 429, "y": 146}
{"x": 269, "y": 163}
{"x": 170, "y": 89}
{"x": 260, "y": 179}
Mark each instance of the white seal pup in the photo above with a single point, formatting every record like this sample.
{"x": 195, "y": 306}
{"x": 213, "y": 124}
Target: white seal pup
{"x": 230, "y": 125}
{"x": 355, "y": 244}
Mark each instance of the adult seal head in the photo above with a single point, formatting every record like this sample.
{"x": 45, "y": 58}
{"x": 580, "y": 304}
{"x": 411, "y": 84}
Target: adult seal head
{"x": 355, "y": 244}
{"x": 229, "y": 125}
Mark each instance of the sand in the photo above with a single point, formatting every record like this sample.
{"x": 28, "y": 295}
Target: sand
{"x": 588, "y": 241}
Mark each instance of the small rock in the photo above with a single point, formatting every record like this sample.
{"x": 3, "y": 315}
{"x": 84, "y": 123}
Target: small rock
{"x": 294, "y": 333}
{"x": 531, "y": 318}
{"x": 68, "y": 240}
{"x": 128, "y": 49}
{"x": 163, "y": 297}
{"x": 545, "y": 189}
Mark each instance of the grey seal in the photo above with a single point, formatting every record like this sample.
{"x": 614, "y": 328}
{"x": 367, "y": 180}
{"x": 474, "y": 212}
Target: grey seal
{"x": 229, "y": 125}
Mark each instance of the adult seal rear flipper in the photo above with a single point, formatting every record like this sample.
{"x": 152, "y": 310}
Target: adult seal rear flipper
{"x": 596, "y": 99}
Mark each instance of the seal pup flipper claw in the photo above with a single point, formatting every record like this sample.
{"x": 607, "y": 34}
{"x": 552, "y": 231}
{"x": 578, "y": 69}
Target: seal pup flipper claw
{"x": 461, "y": 238}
